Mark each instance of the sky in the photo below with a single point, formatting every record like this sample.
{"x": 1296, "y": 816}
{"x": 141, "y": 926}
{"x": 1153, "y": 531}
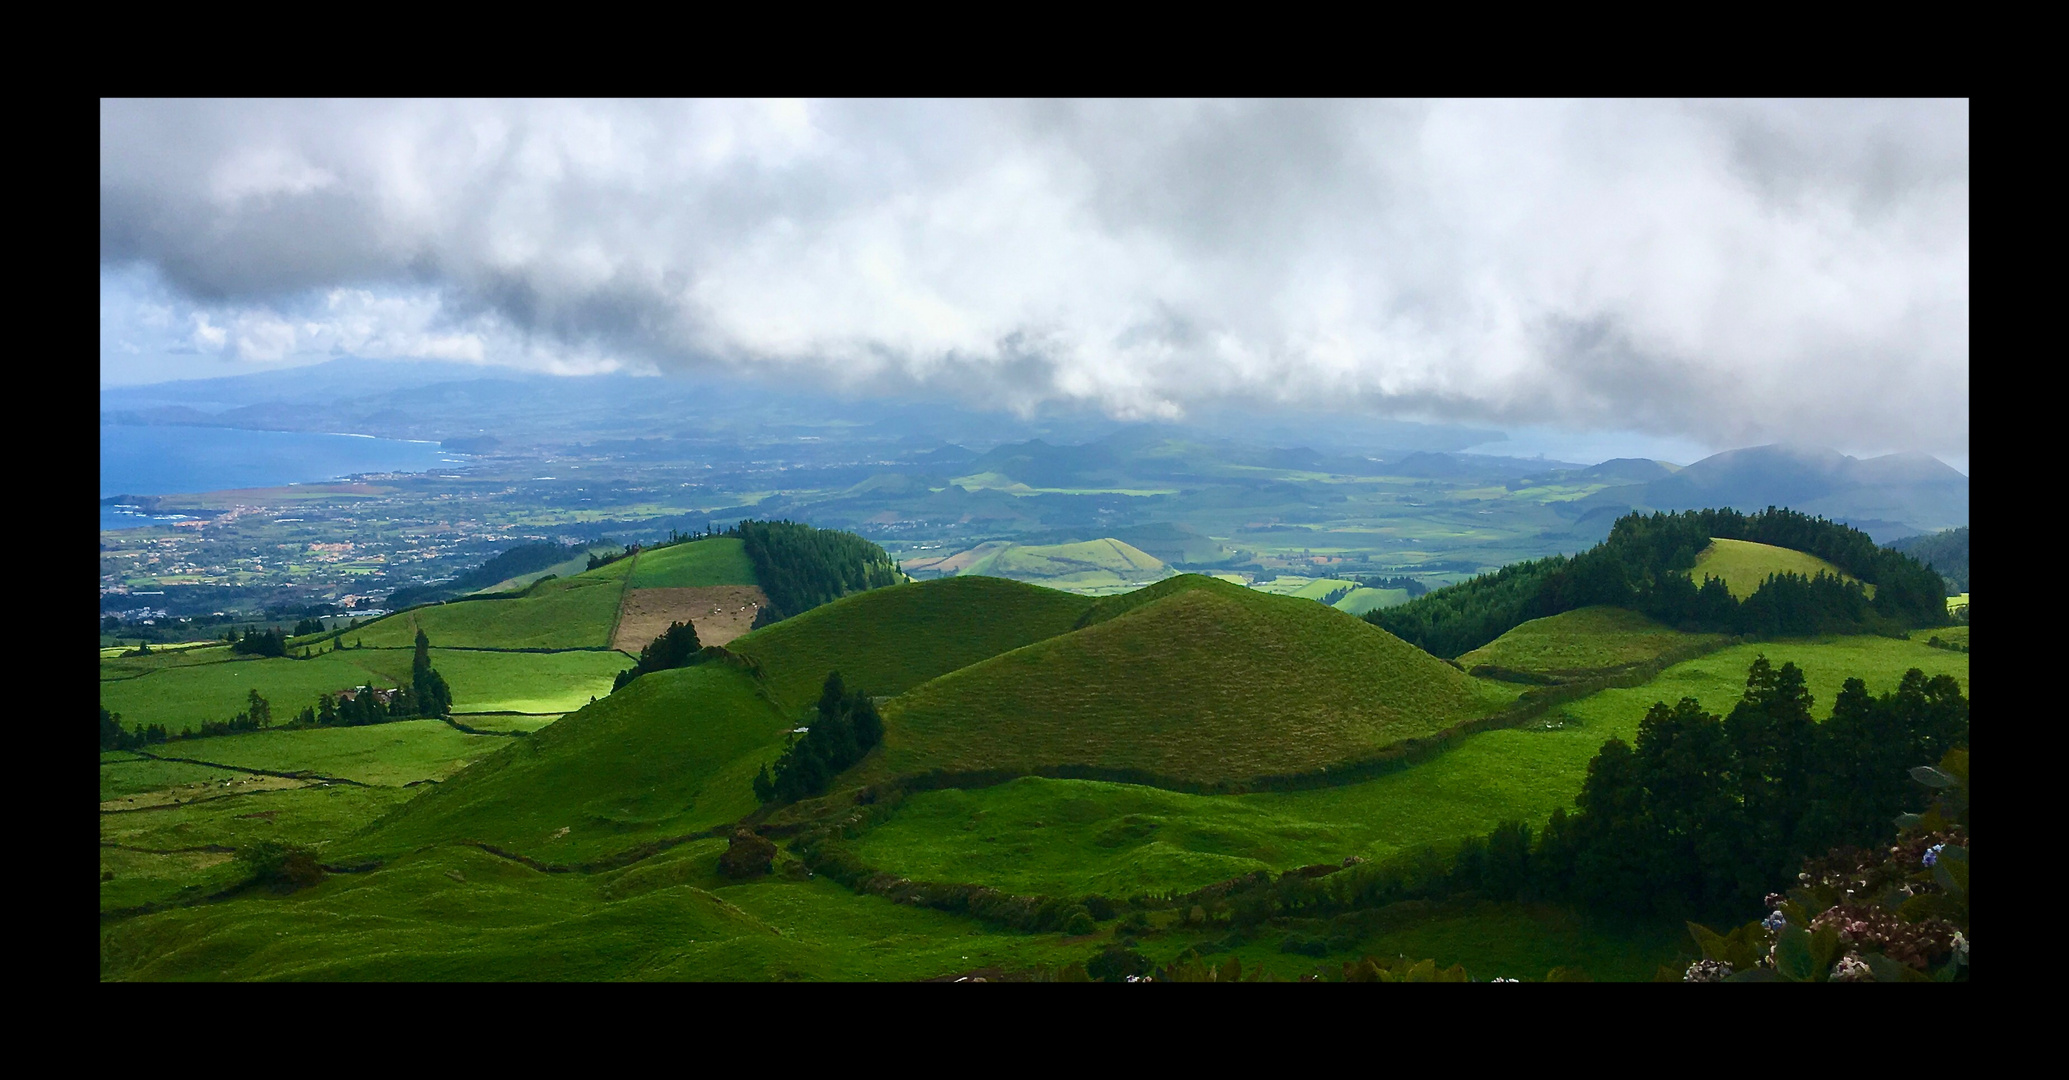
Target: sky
{"x": 1692, "y": 275}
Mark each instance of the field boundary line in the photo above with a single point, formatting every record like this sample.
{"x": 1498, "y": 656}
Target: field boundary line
{"x": 301, "y": 775}
{"x": 610, "y": 636}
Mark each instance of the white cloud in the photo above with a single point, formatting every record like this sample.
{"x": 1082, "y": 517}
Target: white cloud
{"x": 1731, "y": 272}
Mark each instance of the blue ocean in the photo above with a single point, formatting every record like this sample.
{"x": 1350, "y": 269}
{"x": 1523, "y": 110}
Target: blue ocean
{"x": 175, "y": 460}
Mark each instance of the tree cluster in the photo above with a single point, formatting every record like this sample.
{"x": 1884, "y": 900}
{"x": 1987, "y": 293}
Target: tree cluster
{"x": 801, "y": 567}
{"x": 675, "y": 647}
{"x": 253, "y": 642}
{"x": 1702, "y": 814}
{"x": 1644, "y": 565}
{"x": 1946, "y": 552}
{"x": 114, "y": 738}
{"x": 847, "y": 726}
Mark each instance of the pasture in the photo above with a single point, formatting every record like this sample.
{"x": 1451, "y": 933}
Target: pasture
{"x": 719, "y": 612}
{"x": 1586, "y": 640}
{"x": 381, "y": 755}
{"x": 886, "y": 641}
{"x": 1744, "y": 565}
{"x": 1210, "y": 685}
{"x": 565, "y": 613}
{"x": 674, "y": 752}
{"x": 718, "y": 560}
{"x": 1074, "y": 836}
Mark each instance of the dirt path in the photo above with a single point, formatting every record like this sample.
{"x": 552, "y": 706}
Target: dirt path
{"x": 719, "y": 612}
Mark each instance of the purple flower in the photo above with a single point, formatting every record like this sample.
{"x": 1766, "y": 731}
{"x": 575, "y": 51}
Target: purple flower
{"x": 1932, "y": 855}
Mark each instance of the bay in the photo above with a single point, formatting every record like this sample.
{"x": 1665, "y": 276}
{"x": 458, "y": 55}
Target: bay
{"x": 138, "y": 460}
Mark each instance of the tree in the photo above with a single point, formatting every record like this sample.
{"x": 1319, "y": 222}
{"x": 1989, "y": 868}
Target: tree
{"x": 429, "y": 695}
{"x": 747, "y": 855}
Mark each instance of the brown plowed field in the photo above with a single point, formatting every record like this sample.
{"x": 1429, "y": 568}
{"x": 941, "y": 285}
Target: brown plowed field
{"x": 719, "y": 612}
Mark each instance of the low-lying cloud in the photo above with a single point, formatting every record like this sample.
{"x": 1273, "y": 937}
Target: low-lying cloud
{"x": 1730, "y": 272}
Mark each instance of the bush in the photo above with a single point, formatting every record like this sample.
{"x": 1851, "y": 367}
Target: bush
{"x": 1304, "y": 945}
{"x": 749, "y": 855}
{"x": 1115, "y": 963}
{"x": 285, "y": 867}
{"x": 1101, "y": 908}
{"x": 1080, "y": 923}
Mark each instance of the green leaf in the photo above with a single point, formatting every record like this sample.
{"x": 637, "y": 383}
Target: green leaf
{"x": 1906, "y": 821}
{"x": 1706, "y": 939}
{"x": 1824, "y": 950}
{"x": 1887, "y": 970}
{"x": 1933, "y": 778}
{"x": 1792, "y": 955}
{"x": 1758, "y": 974}
{"x": 1951, "y": 871}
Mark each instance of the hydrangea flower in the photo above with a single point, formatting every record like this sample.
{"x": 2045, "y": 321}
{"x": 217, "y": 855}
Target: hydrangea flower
{"x": 1706, "y": 971}
{"x": 1851, "y": 968}
{"x": 1503, "y": 980}
{"x": 1775, "y": 921}
{"x": 1932, "y": 854}
{"x": 1960, "y": 947}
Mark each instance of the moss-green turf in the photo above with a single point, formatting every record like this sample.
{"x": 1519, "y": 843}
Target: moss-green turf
{"x": 719, "y": 560}
{"x": 886, "y": 641}
{"x": 1584, "y": 640}
{"x": 1214, "y": 684}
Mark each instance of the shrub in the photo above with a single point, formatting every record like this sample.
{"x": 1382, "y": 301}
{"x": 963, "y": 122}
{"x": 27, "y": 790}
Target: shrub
{"x": 283, "y": 866}
{"x": 749, "y": 855}
{"x": 1080, "y": 923}
{"x": 1115, "y": 963}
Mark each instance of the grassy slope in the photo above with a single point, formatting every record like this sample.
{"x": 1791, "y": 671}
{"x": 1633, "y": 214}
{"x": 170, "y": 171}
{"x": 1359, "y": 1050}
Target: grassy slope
{"x": 459, "y": 913}
{"x": 1363, "y": 600}
{"x": 566, "y": 613}
{"x": 1072, "y": 837}
{"x": 1211, "y": 684}
{"x": 507, "y": 682}
{"x": 182, "y": 697}
{"x": 385, "y": 755}
{"x": 158, "y": 856}
{"x": 886, "y": 641}
{"x": 1586, "y": 639}
{"x": 720, "y": 560}
{"x": 670, "y": 754}
{"x": 1744, "y": 565}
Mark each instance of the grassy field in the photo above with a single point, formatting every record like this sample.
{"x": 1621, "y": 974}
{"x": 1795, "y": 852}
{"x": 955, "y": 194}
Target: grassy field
{"x": 484, "y": 682}
{"x": 1213, "y": 684}
{"x": 672, "y": 753}
{"x": 1094, "y": 564}
{"x": 183, "y": 697}
{"x": 126, "y": 667}
{"x": 886, "y": 641}
{"x": 163, "y": 856}
{"x": 1362, "y": 600}
{"x": 1953, "y": 602}
{"x": 124, "y": 773}
{"x": 1581, "y": 641}
{"x": 1073, "y": 836}
{"x": 1744, "y": 565}
{"x": 720, "y": 560}
{"x": 384, "y": 755}
{"x": 1952, "y": 635}
{"x": 458, "y": 913}
{"x": 566, "y": 613}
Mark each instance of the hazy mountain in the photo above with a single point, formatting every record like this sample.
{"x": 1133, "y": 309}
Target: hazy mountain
{"x": 1887, "y": 497}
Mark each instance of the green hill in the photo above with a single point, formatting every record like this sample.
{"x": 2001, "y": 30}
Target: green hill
{"x": 1744, "y": 565}
{"x": 1210, "y": 685}
{"x": 672, "y": 753}
{"x": 717, "y": 560}
{"x": 1361, "y": 601}
{"x": 1581, "y": 642}
{"x": 1093, "y": 564}
{"x": 565, "y": 613}
{"x": 886, "y": 641}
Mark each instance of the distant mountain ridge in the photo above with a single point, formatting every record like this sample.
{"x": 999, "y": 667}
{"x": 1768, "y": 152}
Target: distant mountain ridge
{"x": 1886, "y": 496}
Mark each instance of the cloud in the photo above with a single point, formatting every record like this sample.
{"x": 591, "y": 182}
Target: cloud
{"x": 1732, "y": 272}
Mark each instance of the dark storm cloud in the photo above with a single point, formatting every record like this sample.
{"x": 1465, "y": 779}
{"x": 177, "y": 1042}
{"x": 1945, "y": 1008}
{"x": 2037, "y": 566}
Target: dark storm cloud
{"x": 1728, "y": 271}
